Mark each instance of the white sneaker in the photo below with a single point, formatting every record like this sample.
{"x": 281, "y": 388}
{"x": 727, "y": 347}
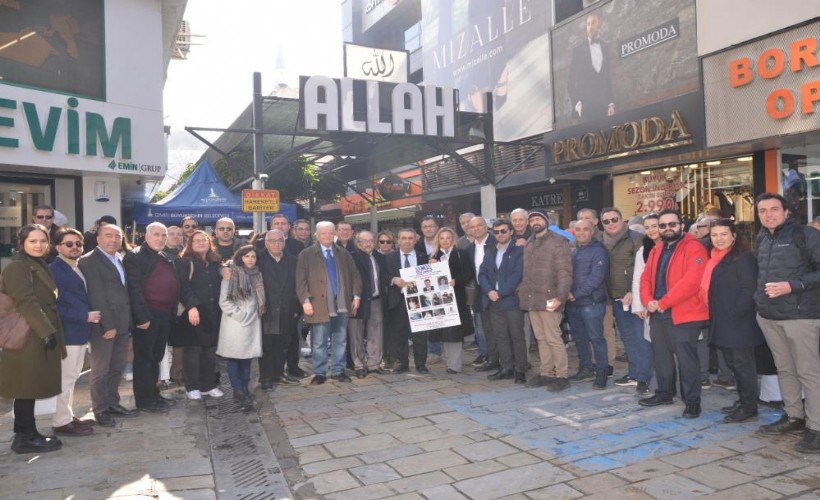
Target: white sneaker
{"x": 215, "y": 393}
{"x": 195, "y": 394}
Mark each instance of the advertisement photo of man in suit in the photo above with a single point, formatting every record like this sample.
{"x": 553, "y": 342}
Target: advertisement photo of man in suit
{"x": 590, "y": 79}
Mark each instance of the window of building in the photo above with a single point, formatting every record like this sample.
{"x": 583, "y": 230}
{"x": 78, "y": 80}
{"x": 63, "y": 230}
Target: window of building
{"x": 412, "y": 37}
{"x": 800, "y": 181}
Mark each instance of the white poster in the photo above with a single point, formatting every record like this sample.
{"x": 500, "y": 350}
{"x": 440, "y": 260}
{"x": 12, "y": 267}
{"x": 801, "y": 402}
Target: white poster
{"x": 430, "y": 300}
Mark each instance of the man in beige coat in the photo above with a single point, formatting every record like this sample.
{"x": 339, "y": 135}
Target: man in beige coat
{"x": 329, "y": 288}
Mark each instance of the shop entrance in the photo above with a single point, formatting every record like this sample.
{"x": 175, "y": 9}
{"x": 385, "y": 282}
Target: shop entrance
{"x": 18, "y": 197}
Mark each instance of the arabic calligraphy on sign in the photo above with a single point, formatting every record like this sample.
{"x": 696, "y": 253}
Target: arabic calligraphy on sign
{"x": 379, "y": 67}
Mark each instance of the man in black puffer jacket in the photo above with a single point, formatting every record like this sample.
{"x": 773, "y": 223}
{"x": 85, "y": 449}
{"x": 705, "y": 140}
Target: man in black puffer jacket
{"x": 788, "y": 311}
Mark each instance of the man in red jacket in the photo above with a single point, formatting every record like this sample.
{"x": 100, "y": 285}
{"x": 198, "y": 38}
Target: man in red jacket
{"x": 669, "y": 288}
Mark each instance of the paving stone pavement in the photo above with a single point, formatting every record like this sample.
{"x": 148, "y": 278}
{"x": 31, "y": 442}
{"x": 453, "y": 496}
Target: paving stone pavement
{"x": 436, "y": 437}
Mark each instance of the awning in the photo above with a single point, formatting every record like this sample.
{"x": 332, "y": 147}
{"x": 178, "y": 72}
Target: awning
{"x": 407, "y": 212}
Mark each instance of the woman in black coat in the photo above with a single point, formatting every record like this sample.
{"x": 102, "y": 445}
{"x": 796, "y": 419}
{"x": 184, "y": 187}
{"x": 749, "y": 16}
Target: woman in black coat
{"x": 462, "y": 272}
{"x": 203, "y": 315}
{"x": 729, "y": 282}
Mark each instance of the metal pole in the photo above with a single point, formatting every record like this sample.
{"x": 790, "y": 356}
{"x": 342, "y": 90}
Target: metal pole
{"x": 374, "y": 210}
{"x": 488, "y": 195}
{"x": 258, "y": 147}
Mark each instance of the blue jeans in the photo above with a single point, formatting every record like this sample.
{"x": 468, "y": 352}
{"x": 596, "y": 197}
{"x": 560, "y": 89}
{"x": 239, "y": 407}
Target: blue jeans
{"x": 638, "y": 349}
{"x": 239, "y": 372}
{"x": 587, "y": 324}
{"x": 480, "y": 339}
{"x": 334, "y": 331}
{"x": 434, "y": 348}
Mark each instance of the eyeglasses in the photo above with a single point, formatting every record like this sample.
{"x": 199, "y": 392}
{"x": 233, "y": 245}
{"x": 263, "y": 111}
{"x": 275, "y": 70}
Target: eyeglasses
{"x": 500, "y": 231}
{"x": 613, "y": 220}
{"x": 71, "y": 244}
{"x": 223, "y": 228}
{"x": 670, "y": 225}
{"x": 46, "y": 217}
{"x": 385, "y": 242}
{"x": 189, "y": 226}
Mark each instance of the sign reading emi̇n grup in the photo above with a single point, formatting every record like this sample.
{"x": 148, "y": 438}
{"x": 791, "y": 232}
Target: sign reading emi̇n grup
{"x": 260, "y": 200}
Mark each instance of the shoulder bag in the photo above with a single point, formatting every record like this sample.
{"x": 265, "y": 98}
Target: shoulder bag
{"x": 14, "y": 329}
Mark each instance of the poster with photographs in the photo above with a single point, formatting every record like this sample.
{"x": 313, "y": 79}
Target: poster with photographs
{"x": 430, "y": 300}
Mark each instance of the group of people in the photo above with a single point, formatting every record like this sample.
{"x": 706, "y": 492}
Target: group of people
{"x": 670, "y": 293}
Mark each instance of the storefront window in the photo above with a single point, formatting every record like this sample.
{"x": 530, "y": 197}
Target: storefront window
{"x": 800, "y": 181}
{"x": 722, "y": 188}
{"x": 16, "y": 204}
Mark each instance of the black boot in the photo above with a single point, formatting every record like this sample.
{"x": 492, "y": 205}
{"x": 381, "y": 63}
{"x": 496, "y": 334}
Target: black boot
{"x": 35, "y": 443}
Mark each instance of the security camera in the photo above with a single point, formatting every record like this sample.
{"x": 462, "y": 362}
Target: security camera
{"x": 263, "y": 177}
{"x": 552, "y": 180}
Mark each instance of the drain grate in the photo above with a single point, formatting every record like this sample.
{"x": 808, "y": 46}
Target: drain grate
{"x": 244, "y": 464}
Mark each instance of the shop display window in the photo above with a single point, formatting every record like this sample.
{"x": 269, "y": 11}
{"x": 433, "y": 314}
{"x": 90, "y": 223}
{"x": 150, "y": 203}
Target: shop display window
{"x": 800, "y": 181}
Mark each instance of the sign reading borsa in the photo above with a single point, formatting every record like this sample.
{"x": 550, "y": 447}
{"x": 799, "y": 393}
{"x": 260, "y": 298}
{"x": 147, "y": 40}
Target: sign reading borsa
{"x": 260, "y": 200}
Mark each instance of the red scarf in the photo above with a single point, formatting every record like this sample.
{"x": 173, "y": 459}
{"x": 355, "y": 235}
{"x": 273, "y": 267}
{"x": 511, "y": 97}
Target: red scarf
{"x": 714, "y": 259}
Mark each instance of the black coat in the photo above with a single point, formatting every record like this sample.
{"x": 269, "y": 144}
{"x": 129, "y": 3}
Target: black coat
{"x": 282, "y": 306}
{"x": 462, "y": 270}
{"x": 202, "y": 292}
{"x": 731, "y": 303}
{"x": 365, "y": 267}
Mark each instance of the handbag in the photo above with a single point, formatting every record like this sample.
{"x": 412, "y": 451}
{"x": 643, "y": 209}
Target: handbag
{"x": 14, "y": 329}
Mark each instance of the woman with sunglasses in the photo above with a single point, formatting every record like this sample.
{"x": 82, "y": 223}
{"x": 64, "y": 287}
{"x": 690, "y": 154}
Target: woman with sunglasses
{"x": 385, "y": 242}
{"x": 242, "y": 300}
{"x": 728, "y": 284}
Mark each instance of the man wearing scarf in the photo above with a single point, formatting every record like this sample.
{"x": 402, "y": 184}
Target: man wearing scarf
{"x": 329, "y": 289}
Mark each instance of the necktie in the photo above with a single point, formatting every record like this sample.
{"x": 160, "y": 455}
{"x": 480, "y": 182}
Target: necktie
{"x": 407, "y": 260}
{"x": 331, "y": 272}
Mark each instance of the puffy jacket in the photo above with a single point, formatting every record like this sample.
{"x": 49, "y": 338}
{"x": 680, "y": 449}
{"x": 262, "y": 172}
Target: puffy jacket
{"x": 547, "y": 272}
{"x": 779, "y": 259}
{"x": 683, "y": 277}
{"x": 622, "y": 263}
{"x": 590, "y": 265}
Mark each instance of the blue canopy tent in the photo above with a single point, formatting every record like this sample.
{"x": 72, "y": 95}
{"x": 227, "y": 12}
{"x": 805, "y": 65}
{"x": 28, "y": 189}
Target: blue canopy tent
{"x": 204, "y": 197}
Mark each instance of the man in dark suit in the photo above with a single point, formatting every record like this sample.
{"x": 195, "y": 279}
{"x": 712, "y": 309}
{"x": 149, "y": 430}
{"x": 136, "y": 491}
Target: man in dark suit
{"x": 397, "y": 321}
{"x": 590, "y": 80}
{"x": 107, "y": 292}
{"x": 344, "y": 236}
{"x": 282, "y": 309}
{"x": 366, "y": 328}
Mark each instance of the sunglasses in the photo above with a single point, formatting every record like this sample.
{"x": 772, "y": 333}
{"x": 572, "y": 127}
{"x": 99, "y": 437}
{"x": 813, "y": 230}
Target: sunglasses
{"x": 385, "y": 242}
{"x": 670, "y": 225}
{"x": 46, "y": 217}
{"x": 71, "y": 244}
{"x": 500, "y": 231}
{"x": 613, "y": 220}
{"x": 189, "y": 226}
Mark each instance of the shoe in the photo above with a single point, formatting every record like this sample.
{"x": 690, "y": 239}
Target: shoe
{"x": 195, "y": 395}
{"x": 318, "y": 380}
{"x": 692, "y": 410}
{"x": 622, "y": 358}
{"x": 297, "y": 372}
{"x": 122, "y": 411}
{"x": 216, "y": 392}
{"x": 155, "y": 406}
{"x": 422, "y": 370}
{"x": 739, "y": 416}
{"x": 266, "y": 385}
{"x": 285, "y": 380}
{"x": 239, "y": 396}
{"x": 87, "y": 422}
{"x": 520, "y": 378}
{"x": 485, "y": 367}
{"x": 104, "y": 419}
{"x": 380, "y": 371}
{"x": 600, "y": 382}
{"x": 401, "y": 369}
{"x": 538, "y": 381}
{"x": 342, "y": 377}
{"x": 706, "y": 383}
{"x": 558, "y": 384}
{"x": 35, "y": 443}
{"x": 479, "y": 360}
{"x": 167, "y": 400}
{"x": 73, "y": 429}
{"x": 777, "y": 405}
{"x": 642, "y": 388}
{"x": 728, "y": 410}
{"x": 655, "y": 401}
{"x": 361, "y": 373}
{"x": 810, "y": 442}
{"x": 502, "y": 374}
{"x": 786, "y": 425}
{"x": 583, "y": 374}
{"x": 625, "y": 381}
{"x": 451, "y": 371}
{"x": 729, "y": 386}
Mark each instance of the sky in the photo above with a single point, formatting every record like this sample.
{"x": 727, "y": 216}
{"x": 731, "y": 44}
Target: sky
{"x": 215, "y": 83}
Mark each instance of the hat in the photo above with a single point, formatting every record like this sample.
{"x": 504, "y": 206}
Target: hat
{"x": 537, "y": 212}
{"x": 108, "y": 219}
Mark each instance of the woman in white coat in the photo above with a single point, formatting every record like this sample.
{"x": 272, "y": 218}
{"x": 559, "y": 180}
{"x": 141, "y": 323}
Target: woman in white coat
{"x": 242, "y": 300}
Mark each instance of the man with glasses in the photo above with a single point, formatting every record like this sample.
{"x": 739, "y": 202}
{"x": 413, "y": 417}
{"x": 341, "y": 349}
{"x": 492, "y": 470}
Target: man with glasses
{"x": 189, "y": 225}
{"x": 278, "y": 270}
{"x": 225, "y": 237}
{"x": 44, "y": 215}
{"x": 670, "y": 286}
{"x": 499, "y": 275}
{"x": 301, "y": 232}
{"x": 366, "y": 328}
{"x": 107, "y": 292}
{"x": 622, "y": 244}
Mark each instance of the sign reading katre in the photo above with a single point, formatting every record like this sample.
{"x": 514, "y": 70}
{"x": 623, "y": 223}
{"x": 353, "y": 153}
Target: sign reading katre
{"x": 260, "y": 200}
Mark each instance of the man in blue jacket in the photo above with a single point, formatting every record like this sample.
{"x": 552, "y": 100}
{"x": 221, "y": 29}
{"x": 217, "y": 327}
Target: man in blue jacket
{"x": 75, "y": 314}
{"x": 499, "y": 276}
{"x": 587, "y": 304}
